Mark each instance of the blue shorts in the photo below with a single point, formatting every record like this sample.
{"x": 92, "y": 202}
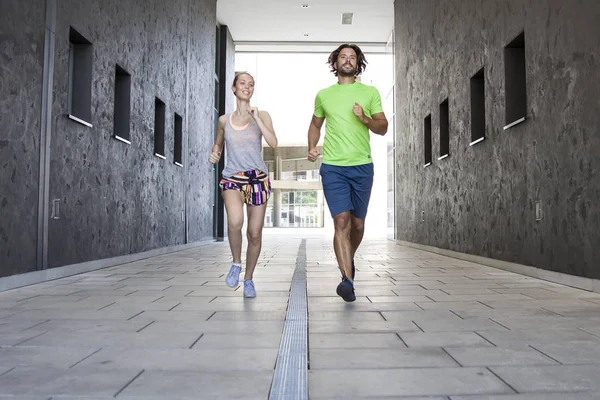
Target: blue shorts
{"x": 347, "y": 188}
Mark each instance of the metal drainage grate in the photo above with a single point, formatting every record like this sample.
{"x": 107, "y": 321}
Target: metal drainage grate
{"x": 291, "y": 371}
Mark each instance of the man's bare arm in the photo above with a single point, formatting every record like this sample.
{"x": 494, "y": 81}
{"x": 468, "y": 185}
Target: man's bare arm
{"x": 377, "y": 123}
{"x": 314, "y": 134}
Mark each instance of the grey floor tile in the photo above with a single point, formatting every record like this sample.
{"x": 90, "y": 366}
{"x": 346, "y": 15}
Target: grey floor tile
{"x": 226, "y": 385}
{"x": 317, "y": 301}
{"x": 15, "y": 338}
{"x": 473, "y": 290}
{"x": 145, "y": 339}
{"x": 534, "y": 396}
{"x": 355, "y": 341}
{"x": 443, "y": 339}
{"x": 264, "y": 300}
{"x": 404, "y": 382}
{"x": 196, "y": 359}
{"x": 20, "y": 325}
{"x": 248, "y": 316}
{"x": 168, "y": 327}
{"x": 333, "y": 397}
{"x": 241, "y": 340}
{"x": 561, "y": 378}
{"x": 363, "y": 306}
{"x": 549, "y": 322}
{"x": 400, "y": 299}
{"x": 361, "y": 327}
{"x": 346, "y": 315}
{"x": 492, "y": 356}
{"x": 359, "y": 290}
{"x": 237, "y": 293}
{"x": 58, "y": 357}
{"x": 73, "y": 314}
{"x": 47, "y": 381}
{"x": 455, "y": 306}
{"x": 91, "y": 325}
{"x": 478, "y": 297}
{"x": 454, "y": 323}
{"x": 535, "y": 336}
{"x": 594, "y": 330}
{"x": 174, "y": 315}
{"x": 379, "y": 358}
{"x": 233, "y": 306}
{"x": 572, "y": 352}
{"x": 420, "y": 314}
{"x": 401, "y": 293}
{"x": 498, "y": 314}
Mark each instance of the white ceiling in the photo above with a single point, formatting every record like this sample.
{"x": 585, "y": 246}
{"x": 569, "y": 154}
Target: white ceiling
{"x": 282, "y": 24}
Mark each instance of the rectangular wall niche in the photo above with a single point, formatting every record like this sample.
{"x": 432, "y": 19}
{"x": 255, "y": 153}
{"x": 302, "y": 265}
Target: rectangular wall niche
{"x": 159, "y": 128}
{"x": 427, "y": 140}
{"x": 80, "y": 78}
{"x": 444, "y": 130}
{"x": 178, "y": 135}
{"x": 478, "y": 107}
{"x": 122, "y": 111}
{"x": 515, "y": 81}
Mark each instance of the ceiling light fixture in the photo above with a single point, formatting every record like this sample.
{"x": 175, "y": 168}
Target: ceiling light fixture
{"x": 305, "y": 5}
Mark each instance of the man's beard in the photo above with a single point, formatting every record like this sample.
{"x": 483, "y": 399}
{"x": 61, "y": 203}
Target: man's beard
{"x": 347, "y": 73}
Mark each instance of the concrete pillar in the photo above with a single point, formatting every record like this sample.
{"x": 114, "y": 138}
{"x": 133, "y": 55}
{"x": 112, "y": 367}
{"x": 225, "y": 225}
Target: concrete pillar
{"x": 276, "y": 193}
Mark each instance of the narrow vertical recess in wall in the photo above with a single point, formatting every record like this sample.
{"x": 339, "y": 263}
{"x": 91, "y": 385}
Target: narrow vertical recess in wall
{"x": 122, "y": 111}
{"x": 159, "y": 128}
{"x": 45, "y": 137}
{"x": 427, "y": 140}
{"x": 221, "y": 88}
{"x": 477, "y": 107}
{"x": 178, "y": 140}
{"x": 444, "y": 130}
{"x": 515, "y": 81}
{"x": 80, "y": 78}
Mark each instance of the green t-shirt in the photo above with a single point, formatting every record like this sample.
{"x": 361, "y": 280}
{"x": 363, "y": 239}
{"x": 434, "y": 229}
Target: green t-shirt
{"x": 346, "y": 140}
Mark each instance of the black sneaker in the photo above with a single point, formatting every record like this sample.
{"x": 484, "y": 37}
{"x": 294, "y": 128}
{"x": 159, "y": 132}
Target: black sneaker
{"x": 346, "y": 290}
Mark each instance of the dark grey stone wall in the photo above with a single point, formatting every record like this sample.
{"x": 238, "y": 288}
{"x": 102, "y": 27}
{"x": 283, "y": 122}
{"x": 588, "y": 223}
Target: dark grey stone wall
{"x": 481, "y": 199}
{"x": 22, "y": 60}
{"x": 115, "y": 198}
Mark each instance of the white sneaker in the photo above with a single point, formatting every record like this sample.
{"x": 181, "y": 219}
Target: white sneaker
{"x": 233, "y": 277}
{"x": 249, "y": 290}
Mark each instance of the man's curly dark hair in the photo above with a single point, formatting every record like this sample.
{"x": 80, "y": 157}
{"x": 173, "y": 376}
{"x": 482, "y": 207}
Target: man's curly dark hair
{"x": 361, "y": 61}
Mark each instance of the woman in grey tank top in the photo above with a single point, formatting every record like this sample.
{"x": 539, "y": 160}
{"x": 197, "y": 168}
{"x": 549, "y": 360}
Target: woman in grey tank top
{"x": 245, "y": 177}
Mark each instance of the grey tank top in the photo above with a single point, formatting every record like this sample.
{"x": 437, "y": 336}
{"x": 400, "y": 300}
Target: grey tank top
{"x": 242, "y": 148}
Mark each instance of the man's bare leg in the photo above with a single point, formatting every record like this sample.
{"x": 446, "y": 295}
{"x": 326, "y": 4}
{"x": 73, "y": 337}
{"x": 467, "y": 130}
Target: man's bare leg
{"x": 342, "y": 243}
{"x": 357, "y": 231}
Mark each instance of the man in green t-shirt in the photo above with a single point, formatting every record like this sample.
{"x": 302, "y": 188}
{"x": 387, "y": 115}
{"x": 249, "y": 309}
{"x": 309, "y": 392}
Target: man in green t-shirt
{"x": 351, "y": 109}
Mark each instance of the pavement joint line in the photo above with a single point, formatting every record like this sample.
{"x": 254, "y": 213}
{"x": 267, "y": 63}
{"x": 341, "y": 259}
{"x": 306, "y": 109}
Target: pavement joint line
{"x": 7, "y": 371}
{"x": 144, "y": 327}
{"x": 129, "y": 383}
{"x": 84, "y": 358}
{"x": 196, "y": 341}
{"x": 290, "y": 380}
{"x": 129, "y": 319}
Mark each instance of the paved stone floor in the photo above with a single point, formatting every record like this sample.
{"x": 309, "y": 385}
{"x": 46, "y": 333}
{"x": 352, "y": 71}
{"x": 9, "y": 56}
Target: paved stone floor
{"x": 424, "y": 326}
